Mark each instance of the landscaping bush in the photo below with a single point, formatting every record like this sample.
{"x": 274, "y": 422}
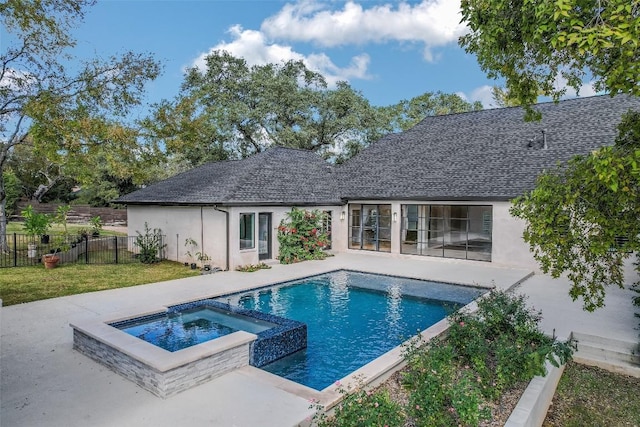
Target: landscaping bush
{"x": 301, "y": 236}
{"x": 452, "y": 381}
{"x": 360, "y": 407}
{"x": 150, "y": 244}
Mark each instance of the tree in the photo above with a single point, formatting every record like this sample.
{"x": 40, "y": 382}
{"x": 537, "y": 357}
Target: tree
{"x": 408, "y": 113}
{"x": 231, "y": 109}
{"x": 533, "y": 44}
{"x": 503, "y": 98}
{"x": 581, "y": 219}
{"x": 61, "y": 112}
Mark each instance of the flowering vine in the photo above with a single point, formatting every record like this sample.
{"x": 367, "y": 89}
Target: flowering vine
{"x": 301, "y": 236}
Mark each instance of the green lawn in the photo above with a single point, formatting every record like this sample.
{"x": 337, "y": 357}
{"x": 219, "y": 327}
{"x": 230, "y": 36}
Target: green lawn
{"x": 25, "y": 284}
{"x": 588, "y": 396}
{"x": 16, "y": 227}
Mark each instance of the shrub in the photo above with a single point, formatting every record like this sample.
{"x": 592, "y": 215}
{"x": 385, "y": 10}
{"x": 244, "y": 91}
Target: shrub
{"x": 35, "y": 223}
{"x": 301, "y": 236}
{"x": 150, "y": 244}
{"x": 452, "y": 381}
{"x": 360, "y": 407}
{"x": 485, "y": 353}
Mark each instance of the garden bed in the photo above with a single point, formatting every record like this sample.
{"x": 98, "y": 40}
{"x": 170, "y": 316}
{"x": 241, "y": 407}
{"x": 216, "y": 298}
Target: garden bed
{"x": 475, "y": 376}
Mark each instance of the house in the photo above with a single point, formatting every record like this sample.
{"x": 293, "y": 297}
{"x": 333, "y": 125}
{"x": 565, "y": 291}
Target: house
{"x": 440, "y": 189}
{"x": 232, "y": 209}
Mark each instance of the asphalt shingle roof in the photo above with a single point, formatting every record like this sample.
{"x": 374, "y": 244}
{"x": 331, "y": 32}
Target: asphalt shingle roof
{"x": 485, "y": 155}
{"x": 277, "y": 176}
{"x": 481, "y": 155}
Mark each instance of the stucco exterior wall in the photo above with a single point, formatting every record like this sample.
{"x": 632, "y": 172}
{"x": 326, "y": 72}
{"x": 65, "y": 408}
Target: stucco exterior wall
{"x": 203, "y": 224}
{"x": 208, "y": 228}
{"x": 240, "y": 257}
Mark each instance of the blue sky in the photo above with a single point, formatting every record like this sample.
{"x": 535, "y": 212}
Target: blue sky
{"x": 386, "y": 49}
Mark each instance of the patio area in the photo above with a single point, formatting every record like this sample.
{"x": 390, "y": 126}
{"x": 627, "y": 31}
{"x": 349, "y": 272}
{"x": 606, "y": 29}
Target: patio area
{"x": 45, "y": 382}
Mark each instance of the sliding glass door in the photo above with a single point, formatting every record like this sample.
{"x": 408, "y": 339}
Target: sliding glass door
{"x": 370, "y": 227}
{"x": 449, "y": 231}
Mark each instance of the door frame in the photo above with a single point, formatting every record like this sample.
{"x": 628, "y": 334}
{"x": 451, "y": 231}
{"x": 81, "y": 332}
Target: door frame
{"x": 269, "y": 235}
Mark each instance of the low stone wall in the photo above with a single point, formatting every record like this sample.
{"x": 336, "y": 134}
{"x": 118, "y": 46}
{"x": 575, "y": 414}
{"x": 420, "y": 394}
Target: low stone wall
{"x": 162, "y": 383}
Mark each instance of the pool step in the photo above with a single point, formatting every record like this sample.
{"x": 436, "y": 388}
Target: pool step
{"x": 613, "y": 355}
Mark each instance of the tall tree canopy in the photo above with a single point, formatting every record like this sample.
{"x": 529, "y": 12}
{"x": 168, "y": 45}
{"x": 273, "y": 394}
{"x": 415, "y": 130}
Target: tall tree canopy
{"x": 533, "y": 44}
{"x": 230, "y": 109}
{"x": 62, "y": 112}
{"x": 583, "y": 218}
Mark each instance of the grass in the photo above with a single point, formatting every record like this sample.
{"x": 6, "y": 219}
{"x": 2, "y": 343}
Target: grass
{"x": 17, "y": 227}
{"x": 26, "y": 284}
{"x": 589, "y": 396}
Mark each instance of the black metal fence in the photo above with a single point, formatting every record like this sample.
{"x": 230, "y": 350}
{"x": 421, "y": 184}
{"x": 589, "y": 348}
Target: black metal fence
{"x": 23, "y": 250}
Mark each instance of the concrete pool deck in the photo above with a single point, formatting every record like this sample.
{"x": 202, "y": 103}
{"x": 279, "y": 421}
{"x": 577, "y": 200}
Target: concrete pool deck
{"x": 44, "y": 382}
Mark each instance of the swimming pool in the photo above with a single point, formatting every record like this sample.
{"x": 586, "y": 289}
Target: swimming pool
{"x": 352, "y": 318}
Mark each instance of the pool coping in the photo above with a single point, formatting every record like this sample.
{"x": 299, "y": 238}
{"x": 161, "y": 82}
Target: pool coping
{"x": 153, "y": 356}
{"x": 164, "y": 361}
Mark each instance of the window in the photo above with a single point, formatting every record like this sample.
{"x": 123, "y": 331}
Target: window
{"x": 370, "y": 227}
{"x": 246, "y": 231}
{"x": 449, "y": 231}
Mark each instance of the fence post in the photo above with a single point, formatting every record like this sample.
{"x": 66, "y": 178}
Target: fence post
{"x": 86, "y": 249}
{"x": 115, "y": 238}
{"x": 15, "y": 250}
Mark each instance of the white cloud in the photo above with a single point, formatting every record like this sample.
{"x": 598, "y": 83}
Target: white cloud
{"x": 586, "y": 89}
{"x": 256, "y": 49}
{"x": 482, "y": 94}
{"x": 432, "y": 23}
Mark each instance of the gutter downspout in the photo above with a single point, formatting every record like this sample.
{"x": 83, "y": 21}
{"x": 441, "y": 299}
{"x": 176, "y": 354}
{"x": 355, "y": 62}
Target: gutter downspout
{"x": 215, "y": 207}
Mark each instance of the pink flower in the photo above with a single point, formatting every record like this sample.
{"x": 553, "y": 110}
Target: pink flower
{"x": 461, "y": 323}
{"x": 417, "y": 406}
{"x": 375, "y": 404}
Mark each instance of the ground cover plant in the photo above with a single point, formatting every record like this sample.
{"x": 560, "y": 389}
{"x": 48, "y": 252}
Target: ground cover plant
{"x": 590, "y": 396}
{"x": 26, "y": 284}
{"x": 250, "y": 268}
{"x": 456, "y": 380}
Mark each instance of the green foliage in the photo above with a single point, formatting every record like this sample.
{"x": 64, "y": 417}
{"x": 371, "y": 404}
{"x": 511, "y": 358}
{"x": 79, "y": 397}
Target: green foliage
{"x": 301, "y": 236}
{"x": 582, "y": 219}
{"x": 96, "y": 224}
{"x": 250, "y": 268}
{"x": 61, "y": 216}
{"x": 452, "y": 381}
{"x": 63, "y": 114}
{"x": 12, "y": 190}
{"x": 361, "y": 407}
{"x": 485, "y": 353}
{"x": 532, "y": 44}
{"x": 150, "y": 244}
{"x": 192, "y": 245}
{"x": 35, "y": 223}
{"x": 230, "y": 109}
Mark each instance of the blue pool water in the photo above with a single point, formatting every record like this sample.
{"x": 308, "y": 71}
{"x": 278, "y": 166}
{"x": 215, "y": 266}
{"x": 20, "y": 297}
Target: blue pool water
{"x": 175, "y": 331}
{"x": 352, "y": 318}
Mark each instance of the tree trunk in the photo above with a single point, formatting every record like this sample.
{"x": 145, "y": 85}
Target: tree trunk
{"x": 4, "y": 247}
